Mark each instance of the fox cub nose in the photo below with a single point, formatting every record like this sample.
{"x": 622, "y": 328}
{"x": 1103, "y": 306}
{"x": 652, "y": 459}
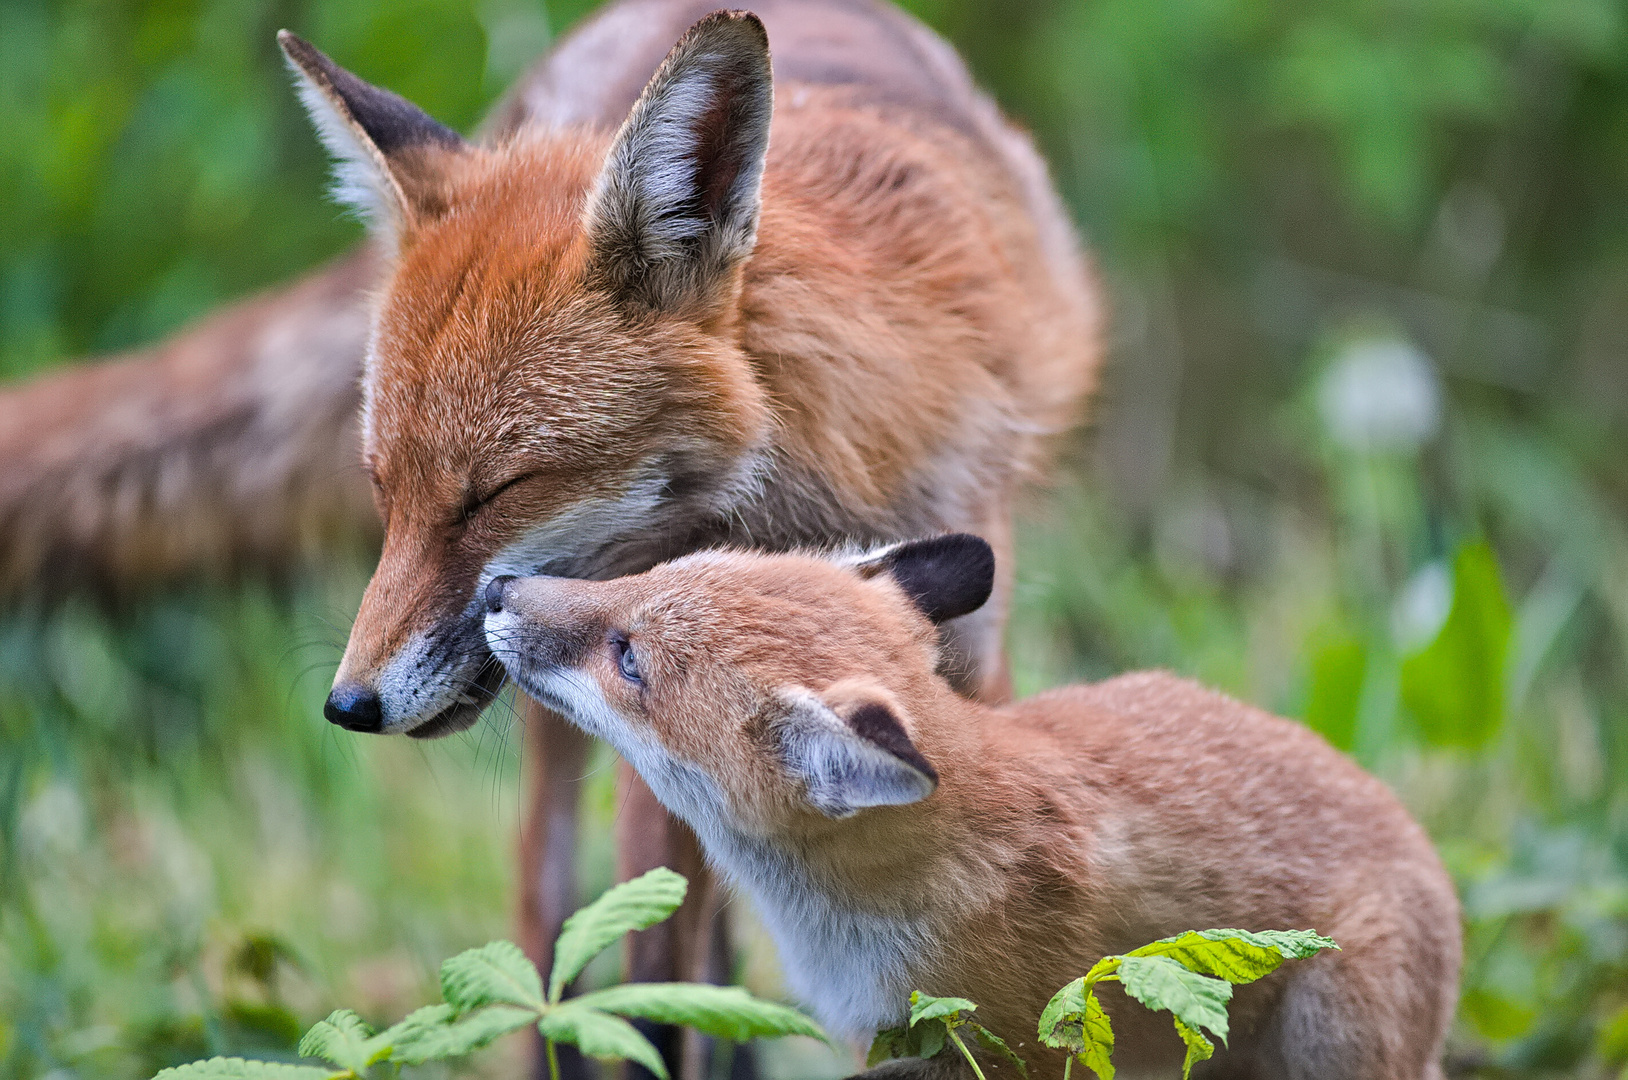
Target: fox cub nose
{"x": 494, "y": 592}
{"x": 354, "y": 708}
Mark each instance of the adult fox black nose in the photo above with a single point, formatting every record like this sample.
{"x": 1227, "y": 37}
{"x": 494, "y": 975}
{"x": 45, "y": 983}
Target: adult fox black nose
{"x": 494, "y": 592}
{"x": 354, "y": 707}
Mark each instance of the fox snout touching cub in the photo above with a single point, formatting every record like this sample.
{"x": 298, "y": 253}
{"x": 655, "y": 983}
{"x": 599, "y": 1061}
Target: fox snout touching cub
{"x": 894, "y": 835}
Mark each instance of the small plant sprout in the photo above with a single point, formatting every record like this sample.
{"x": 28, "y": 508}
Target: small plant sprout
{"x": 1190, "y": 975}
{"x": 493, "y": 990}
{"x": 932, "y": 1020}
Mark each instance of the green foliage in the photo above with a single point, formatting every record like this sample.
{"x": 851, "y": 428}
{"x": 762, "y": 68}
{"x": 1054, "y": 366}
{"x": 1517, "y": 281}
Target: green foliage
{"x": 1190, "y": 976}
{"x": 495, "y": 989}
{"x": 932, "y": 1021}
{"x": 1455, "y": 686}
{"x": 633, "y": 906}
{"x": 494, "y": 974}
{"x": 602, "y": 1036}
{"x": 725, "y": 1012}
{"x": 436, "y": 1032}
{"x": 347, "y": 1042}
{"x": 239, "y": 1069}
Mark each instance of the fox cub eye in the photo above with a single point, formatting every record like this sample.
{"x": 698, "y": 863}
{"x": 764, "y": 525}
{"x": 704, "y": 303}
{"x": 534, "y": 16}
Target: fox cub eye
{"x": 627, "y": 661}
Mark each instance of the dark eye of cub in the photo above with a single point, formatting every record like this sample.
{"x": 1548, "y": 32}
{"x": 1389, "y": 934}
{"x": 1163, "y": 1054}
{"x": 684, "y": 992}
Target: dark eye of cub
{"x": 627, "y": 661}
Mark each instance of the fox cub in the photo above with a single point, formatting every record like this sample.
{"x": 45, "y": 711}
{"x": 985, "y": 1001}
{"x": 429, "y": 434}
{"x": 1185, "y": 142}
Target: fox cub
{"x": 894, "y": 835}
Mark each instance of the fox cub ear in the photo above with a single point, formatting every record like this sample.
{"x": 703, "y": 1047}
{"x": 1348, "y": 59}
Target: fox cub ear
{"x": 945, "y": 577}
{"x": 850, "y": 749}
{"x": 675, "y": 209}
{"x": 367, "y": 130}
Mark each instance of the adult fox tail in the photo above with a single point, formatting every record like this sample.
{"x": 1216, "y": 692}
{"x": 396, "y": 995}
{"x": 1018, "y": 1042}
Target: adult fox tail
{"x": 230, "y": 447}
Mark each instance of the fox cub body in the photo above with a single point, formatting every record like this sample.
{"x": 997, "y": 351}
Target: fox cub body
{"x": 895, "y": 836}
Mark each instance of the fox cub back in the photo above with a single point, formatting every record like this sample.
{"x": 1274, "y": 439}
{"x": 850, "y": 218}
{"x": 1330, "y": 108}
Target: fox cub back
{"x": 896, "y": 836}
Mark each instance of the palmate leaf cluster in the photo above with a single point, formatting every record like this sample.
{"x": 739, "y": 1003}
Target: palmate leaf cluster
{"x": 1190, "y": 976}
{"x": 495, "y": 989}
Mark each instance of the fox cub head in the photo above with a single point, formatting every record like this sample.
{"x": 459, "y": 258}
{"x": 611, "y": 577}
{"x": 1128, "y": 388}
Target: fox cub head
{"x": 555, "y": 383}
{"x": 748, "y": 689}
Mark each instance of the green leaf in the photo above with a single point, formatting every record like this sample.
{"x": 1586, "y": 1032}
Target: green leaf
{"x": 889, "y": 1044}
{"x": 1198, "y": 1047}
{"x": 1097, "y": 1037}
{"x": 435, "y": 1031}
{"x": 1162, "y": 983}
{"x": 632, "y": 905}
{"x": 998, "y": 1044}
{"x": 497, "y": 973}
{"x": 1074, "y": 1020}
{"x": 344, "y": 1040}
{"x": 1064, "y": 1010}
{"x": 222, "y": 1068}
{"x": 1455, "y": 686}
{"x": 600, "y": 1035}
{"x": 903, "y": 1042}
{"x": 929, "y": 1040}
{"x": 948, "y": 1009}
{"x": 725, "y": 1012}
{"x": 1238, "y": 956}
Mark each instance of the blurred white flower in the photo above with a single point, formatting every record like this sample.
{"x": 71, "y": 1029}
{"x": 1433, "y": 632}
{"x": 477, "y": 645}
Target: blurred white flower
{"x": 1421, "y": 607}
{"x": 1380, "y": 395}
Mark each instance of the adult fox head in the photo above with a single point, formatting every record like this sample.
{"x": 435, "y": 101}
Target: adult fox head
{"x": 555, "y": 383}
{"x": 758, "y": 692}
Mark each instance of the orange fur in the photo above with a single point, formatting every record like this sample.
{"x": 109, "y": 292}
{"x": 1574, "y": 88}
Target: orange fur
{"x": 1075, "y": 824}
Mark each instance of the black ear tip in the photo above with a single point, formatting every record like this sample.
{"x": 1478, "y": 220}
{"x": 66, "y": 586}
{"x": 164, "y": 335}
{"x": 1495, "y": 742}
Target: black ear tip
{"x": 946, "y": 576}
{"x": 295, "y": 47}
{"x": 736, "y": 24}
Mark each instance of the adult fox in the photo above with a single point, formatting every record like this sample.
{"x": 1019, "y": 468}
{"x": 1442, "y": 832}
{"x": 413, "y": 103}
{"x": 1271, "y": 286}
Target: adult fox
{"x": 841, "y": 303}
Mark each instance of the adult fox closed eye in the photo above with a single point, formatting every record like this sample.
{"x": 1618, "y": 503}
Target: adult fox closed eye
{"x": 896, "y": 836}
{"x": 848, "y": 308}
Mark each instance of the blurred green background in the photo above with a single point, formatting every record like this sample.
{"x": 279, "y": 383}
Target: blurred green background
{"x": 1359, "y": 458}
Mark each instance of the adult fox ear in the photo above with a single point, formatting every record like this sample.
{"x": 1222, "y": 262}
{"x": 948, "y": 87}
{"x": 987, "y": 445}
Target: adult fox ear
{"x": 674, "y": 212}
{"x": 850, "y": 748}
{"x": 376, "y": 138}
{"x": 945, "y": 577}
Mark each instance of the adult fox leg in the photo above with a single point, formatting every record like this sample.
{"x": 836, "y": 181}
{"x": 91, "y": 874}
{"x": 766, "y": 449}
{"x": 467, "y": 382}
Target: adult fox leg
{"x": 556, "y": 758}
{"x": 691, "y": 946}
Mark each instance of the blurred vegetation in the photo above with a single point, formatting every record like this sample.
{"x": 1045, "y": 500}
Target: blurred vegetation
{"x": 1358, "y": 458}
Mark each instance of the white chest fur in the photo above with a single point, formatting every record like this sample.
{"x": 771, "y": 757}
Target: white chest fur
{"x": 851, "y": 968}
